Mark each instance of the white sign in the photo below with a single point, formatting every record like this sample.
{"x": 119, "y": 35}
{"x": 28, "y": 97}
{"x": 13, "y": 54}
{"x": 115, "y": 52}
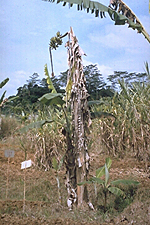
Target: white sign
{"x": 9, "y": 153}
{"x": 26, "y": 164}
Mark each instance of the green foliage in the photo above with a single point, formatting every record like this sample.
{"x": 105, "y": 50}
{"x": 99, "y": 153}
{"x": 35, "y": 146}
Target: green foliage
{"x": 2, "y": 84}
{"x": 57, "y": 165}
{"x": 52, "y": 99}
{"x": 129, "y": 78}
{"x": 106, "y": 185}
{"x": 101, "y": 171}
{"x": 8, "y": 126}
{"x": 94, "y": 81}
{"x": 128, "y": 132}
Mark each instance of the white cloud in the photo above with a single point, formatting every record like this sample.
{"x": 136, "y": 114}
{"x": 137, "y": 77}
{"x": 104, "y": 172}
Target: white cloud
{"x": 104, "y": 70}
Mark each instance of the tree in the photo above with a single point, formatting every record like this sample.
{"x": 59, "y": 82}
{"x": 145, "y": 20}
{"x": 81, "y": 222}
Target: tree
{"x": 34, "y": 79}
{"x": 118, "y": 11}
{"x": 129, "y": 78}
{"x": 27, "y": 96}
{"x": 94, "y": 81}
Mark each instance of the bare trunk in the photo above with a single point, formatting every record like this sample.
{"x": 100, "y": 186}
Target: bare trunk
{"x": 78, "y": 157}
{"x": 51, "y": 60}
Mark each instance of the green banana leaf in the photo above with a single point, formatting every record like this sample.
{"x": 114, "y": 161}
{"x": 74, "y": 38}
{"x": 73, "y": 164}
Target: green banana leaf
{"x": 116, "y": 191}
{"x": 124, "y": 182}
{"x": 4, "y": 82}
{"x": 52, "y": 99}
{"x": 101, "y": 171}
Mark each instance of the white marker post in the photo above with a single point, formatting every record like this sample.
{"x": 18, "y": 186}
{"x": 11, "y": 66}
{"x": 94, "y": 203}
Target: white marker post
{"x": 24, "y": 165}
{"x": 8, "y": 154}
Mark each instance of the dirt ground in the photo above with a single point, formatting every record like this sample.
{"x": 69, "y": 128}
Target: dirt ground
{"x": 42, "y": 206}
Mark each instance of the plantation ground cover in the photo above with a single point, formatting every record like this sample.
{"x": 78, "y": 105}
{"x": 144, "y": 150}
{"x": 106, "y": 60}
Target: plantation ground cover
{"x": 42, "y": 206}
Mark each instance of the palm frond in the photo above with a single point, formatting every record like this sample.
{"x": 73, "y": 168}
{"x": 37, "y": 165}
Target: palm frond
{"x": 120, "y": 7}
{"x": 118, "y": 11}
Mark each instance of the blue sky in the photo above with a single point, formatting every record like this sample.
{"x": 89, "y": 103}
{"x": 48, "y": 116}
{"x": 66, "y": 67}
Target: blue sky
{"x": 26, "y": 27}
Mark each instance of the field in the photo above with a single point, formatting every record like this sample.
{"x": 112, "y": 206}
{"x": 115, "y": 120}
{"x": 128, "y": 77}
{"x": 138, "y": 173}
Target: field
{"x": 41, "y": 197}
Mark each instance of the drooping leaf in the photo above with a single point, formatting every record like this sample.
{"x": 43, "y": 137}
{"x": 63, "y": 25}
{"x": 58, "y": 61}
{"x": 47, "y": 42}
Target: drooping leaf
{"x": 116, "y": 191}
{"x": 125, "y": 182}
{"x": 37, "y": 125}
{"x": 49, "y": 81}
{"x": 52, "y": 99}
{"x": 4, "y": 82}
{"x": 118, "y": 18}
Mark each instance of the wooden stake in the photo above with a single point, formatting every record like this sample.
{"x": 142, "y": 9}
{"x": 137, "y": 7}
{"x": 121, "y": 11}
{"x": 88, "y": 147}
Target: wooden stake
{"x": 7, "y": 178}
{"x": 24, "y": 191}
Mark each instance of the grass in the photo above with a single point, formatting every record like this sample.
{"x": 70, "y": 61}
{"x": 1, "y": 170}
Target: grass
{"x": 42, "y": 192}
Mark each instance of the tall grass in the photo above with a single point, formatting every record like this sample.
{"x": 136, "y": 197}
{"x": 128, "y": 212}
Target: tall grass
{"x": 8, "y": 126}
{"x": 128, "y": 132}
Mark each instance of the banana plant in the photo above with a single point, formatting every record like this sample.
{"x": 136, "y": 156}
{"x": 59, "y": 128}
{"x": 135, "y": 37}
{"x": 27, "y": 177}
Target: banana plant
{"x": 2, "y": 100}
{"x": 108, "y": 186}
{"x": 118, "y": 11}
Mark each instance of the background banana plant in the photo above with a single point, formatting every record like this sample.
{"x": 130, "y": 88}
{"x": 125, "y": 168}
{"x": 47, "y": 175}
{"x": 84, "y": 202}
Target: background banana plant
{"x": 108, "y": 186}
{"x": 2, "y": 100}
{"x": 118, "y": 11}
